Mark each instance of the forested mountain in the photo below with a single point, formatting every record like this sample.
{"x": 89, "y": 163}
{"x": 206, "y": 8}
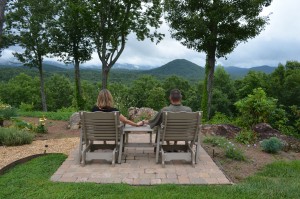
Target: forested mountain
{"x": 236, "y": 72}
{"x": 179, "y": 67}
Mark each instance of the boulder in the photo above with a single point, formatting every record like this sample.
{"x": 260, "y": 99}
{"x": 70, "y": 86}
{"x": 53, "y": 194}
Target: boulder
{"x": 225, "y": 130}
{"x": 74, "y": 122}
{"x": 265, "y": 131}
{"x": 138, "y": 114}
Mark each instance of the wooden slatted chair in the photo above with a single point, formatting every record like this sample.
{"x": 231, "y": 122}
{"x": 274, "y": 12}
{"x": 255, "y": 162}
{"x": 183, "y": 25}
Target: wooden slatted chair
{"x": 179, "y": 126}
{"x": 98, "y": 131}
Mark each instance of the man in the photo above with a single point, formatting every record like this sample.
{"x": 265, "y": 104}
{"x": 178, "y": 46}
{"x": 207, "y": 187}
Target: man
{"x": 175, "y": 106}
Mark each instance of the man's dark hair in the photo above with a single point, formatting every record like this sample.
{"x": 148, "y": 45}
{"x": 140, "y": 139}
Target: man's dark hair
{"x": 175, "y": 95}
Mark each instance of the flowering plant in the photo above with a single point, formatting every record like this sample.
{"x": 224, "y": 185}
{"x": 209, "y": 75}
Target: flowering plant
{"x": 41, "y": 128}
{"x": 6, "y": 111}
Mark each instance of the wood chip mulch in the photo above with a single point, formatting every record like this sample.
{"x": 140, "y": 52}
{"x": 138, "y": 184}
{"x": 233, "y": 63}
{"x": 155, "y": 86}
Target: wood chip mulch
{"x": 13, "y": 153}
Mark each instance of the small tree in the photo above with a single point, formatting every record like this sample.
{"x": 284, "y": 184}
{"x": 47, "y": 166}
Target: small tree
{"x": 256, "y": 107}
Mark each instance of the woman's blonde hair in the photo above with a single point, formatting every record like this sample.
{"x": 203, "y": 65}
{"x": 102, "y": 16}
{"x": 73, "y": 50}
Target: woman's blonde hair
{"x": 105, "y": 99}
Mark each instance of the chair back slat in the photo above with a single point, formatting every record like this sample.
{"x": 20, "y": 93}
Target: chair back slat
{"x": 180, "y": 126}
{"x": 100, "y": 126}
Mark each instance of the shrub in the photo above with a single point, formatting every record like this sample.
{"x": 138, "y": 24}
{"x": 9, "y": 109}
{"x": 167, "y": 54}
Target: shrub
{"x": 234, "y": 153}
{"x": 231, "y": 151}
{"x": 26, "y": 107}
{"x": 21, "y": 124}
{"x": 6, "y": 111}
{"x": 256, "y": 108}
{"x": 14, "y": 137}
{"x": 271, "y": 145}
{"x": 246, "y": 137}
{"x": 220, "y": 118}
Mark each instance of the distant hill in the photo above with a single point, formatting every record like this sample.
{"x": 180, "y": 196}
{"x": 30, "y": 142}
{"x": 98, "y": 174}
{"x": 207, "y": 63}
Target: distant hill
{"x": 178, "y": 67}
{"x": 236, "y": 72}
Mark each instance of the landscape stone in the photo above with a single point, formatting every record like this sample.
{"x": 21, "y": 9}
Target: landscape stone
{"x": 74, "y": 122}
{"x": 138, "y": 114}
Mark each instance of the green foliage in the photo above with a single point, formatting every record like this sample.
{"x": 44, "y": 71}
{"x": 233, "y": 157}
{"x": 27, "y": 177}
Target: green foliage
{"x": 193, "y": 97}
{"x": 271, "y": 145}
{"x": 231, "y": 151}
{"x": 220, "y": 118}
{"x": 131, "y": 16}
{"x": 216, "y": 141}
{"x": 140, "y": 90}
{"x": 6, "y": 111}
{"x": 22, "y": 125}
{"x": 156, "y": 99}
{"x": 26, "y": 107}
{"x": 234, "y": 153}
{"x": 224, "y": 93}
{"x": 291, "y": 91}
{"x": 246, "y": 136}
{"x": 253, "y": 80}
{"x": 58, "y": 85}
{"x": 173, "y": 82}
{"x": 256, "y": 108}
{"x": 21, "y": 88}
{"x": 90, "y": 93}
{"x": 14, "y": 137}
{"x": 50, "y": 115}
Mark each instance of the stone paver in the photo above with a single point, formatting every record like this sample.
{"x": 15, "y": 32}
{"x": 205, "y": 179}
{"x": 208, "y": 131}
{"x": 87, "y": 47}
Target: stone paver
{"x": 139, "y": 168}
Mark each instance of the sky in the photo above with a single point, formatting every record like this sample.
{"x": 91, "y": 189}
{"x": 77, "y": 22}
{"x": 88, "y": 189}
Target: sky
{"x": 278, "y": 43}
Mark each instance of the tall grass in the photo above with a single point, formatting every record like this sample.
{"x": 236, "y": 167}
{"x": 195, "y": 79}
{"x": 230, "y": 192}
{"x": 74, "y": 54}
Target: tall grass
{"x": 31, "y": 180}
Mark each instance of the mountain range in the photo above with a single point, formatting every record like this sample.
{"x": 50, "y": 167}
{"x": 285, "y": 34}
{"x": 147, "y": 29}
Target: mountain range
{"x": 179, "y": 67}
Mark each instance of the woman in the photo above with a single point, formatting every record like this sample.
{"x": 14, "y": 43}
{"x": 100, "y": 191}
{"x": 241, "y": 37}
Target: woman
{"x": 105, "y": 104}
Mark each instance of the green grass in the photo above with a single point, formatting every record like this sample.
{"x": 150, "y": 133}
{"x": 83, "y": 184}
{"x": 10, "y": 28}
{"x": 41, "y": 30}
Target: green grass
{"x": 49, "y": 115}
{"x": 31, "y": 180}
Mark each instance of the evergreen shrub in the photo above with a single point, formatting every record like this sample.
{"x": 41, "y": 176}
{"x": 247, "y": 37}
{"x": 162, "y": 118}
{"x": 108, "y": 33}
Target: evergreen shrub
{"x": 271, "y": 145}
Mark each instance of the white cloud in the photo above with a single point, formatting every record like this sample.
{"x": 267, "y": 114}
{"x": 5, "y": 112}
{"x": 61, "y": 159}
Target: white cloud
{"x": 278, "y": 43}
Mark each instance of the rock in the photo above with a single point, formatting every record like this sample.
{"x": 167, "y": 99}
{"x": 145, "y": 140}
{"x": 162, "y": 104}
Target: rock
{"x": 225, "y": 130}
{"x": 138, "y": 114}
{"x": 74, "y": 122}
{"x": 265, "y": 131}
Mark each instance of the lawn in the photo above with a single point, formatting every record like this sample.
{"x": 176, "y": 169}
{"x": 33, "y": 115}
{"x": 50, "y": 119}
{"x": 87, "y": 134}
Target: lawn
{"x": 31, "y": 180}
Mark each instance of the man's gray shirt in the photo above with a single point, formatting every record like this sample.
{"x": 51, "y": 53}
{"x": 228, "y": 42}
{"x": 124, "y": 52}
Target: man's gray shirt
{"x": 157, "y": 120}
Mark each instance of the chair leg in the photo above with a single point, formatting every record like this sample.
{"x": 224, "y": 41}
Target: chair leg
{"x": 120, "y": 149}
{"x": 163, "y": 158}
{"x": 80, "y": 148}
{"x": 157, "y": 147}
{"x": 193, "y": 158}
{"x": 114, "y": 157}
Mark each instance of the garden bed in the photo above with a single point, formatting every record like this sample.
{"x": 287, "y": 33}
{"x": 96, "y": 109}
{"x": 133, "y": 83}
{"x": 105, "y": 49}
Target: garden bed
{"x": 60, "y": 139}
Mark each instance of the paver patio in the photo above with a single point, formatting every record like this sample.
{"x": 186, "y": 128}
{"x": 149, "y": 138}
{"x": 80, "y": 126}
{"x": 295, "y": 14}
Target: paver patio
{"x": 139, "y": 168}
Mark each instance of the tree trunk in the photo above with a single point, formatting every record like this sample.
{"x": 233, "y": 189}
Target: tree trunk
{"x": 78, "y": 91}
{"x": 208, "y": 84}
{"x": 42, "y": 87}
{"x": 105, "y": 71}
{"x": 2, "y": 9}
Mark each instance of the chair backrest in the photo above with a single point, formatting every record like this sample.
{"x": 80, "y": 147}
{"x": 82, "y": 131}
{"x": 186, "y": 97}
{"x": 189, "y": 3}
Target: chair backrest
{"x": 100, "y": 126}
{"x": 180, "y": 126}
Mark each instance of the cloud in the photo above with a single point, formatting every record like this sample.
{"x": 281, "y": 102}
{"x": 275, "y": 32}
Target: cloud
{"x": 278, "y": 43}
